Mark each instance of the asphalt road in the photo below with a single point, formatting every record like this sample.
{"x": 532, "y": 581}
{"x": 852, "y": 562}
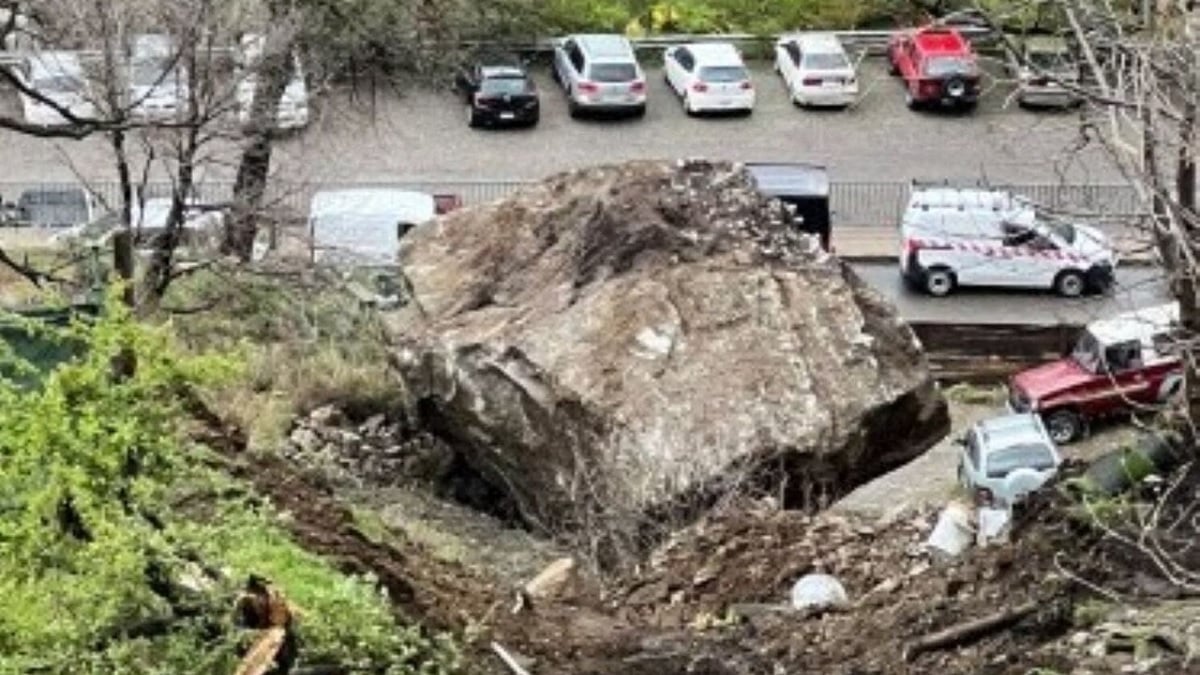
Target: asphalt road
{"x": 1136, "y": 287}
{"x": 423, "y": 134}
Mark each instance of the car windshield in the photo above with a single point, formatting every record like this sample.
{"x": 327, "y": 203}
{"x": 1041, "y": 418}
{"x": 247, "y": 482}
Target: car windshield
{"x": 504, "y": 85}
{"x": 614, "y": 72}
{"x": 949, "y": 65}
{"x": 62, "y": 84}
{"x": 1023, "y": 456}
{"x": 1047, "y": 60}
{"x": 1087, "y": 353}
{"x": 825, "y": 61}
{"x": 151, "y": 73}
{"x": 723, "y": 74}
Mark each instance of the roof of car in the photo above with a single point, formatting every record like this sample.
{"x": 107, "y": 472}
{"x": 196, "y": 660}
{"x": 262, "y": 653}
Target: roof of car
{"x": 1046, "y": 43}
{"x": 502, "y": 71}
{"x": 964, "y": 198}
{"x": 820, "y": 42}
{"x": 1009, "y": 430}
{"x": 1139, "y": 325}
{"x": 605, "y": 45}
{"x": 403, "y": 204}
{"x": 152, "y": 45}
{"x": 715, "y": 53}
{"x": 791, "y": 179}
{"x": 939, "y": 39}
{"x": 65, "y": 63}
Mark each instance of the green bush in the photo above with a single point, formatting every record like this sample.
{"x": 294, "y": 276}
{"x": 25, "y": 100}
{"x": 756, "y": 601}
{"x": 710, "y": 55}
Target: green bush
{"x": 97, "y": 552}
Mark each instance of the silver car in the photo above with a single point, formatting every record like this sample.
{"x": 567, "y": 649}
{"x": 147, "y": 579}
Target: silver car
{"x": 1046, "y": 73}
{"x": 1005, "y": 458}
{"x": 600, "y": 73}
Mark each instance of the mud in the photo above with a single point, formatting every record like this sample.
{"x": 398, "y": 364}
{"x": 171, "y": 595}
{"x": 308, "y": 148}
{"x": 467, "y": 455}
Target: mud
{"x": 712, "y": 599}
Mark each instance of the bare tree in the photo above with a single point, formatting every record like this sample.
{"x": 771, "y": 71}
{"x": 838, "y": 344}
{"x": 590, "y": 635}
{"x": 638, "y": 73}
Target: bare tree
{"x": 166, "y": 114}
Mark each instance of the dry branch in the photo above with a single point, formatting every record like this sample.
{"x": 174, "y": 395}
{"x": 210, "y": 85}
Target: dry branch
{"x": 969, "y": 631}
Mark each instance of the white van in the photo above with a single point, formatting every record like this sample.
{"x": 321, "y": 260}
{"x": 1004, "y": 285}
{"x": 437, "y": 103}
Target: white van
{"x": 953, "y": 237}
{"x": 364, "y": 226}
{"x": 59, "y": 78}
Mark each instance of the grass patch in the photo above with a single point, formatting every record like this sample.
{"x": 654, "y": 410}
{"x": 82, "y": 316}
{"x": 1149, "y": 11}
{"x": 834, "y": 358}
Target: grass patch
{"x": 305, "y": 342}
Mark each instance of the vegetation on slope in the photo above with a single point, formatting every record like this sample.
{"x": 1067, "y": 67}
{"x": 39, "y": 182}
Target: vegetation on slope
{"x": 123, "y": 549}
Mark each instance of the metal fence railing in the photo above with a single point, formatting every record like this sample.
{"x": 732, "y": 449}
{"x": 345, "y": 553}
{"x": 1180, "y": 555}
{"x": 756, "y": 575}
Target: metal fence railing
{"x": 855, "y": 203}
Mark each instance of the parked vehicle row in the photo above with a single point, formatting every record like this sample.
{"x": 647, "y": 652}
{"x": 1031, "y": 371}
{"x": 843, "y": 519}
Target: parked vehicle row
{"x": 600, "y": 73}
{"x": 155, "y": 83}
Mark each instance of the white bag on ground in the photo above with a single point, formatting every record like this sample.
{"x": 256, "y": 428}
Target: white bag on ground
{"x": 818, "y": 591}
{"x": 993, "y": 525}
{"x": 953, "y": 533}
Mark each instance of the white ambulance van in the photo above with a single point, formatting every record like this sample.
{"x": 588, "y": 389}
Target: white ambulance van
{"x": 953, "y": 237}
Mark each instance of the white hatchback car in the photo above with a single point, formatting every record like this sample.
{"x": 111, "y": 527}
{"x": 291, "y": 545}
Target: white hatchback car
{"x": 709, "y": 77}
{"x": 1003, "y": 459}
{"x": 816, "y": 69}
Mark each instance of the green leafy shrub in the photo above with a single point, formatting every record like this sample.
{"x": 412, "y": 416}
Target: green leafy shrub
{"x": 103, "y": 572}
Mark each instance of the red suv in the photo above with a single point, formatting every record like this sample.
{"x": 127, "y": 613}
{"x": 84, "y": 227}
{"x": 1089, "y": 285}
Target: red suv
{"x": 1128, "y": 363}
{"x": 938, "y": 67}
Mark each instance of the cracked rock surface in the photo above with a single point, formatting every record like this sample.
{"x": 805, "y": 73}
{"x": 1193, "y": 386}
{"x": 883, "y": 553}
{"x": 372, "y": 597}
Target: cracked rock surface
{"x": 638, "y": 336}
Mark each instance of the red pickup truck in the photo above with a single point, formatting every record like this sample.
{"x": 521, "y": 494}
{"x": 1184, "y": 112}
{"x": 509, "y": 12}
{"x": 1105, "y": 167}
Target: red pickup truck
{"x": 1124, "y": 364}
{"x": 937, "y": 65}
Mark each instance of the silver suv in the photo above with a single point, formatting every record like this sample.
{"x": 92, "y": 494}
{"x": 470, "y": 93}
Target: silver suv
{"x": 1005, "y": 458}
{"x": 600, "y": 73}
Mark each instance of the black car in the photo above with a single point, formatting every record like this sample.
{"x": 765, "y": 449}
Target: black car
{"x": 498, "y": 92}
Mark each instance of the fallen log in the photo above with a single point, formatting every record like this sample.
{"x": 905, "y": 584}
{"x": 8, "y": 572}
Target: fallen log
{"x": 969, "y": 631}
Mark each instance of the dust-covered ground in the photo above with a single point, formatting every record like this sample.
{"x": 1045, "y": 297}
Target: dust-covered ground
{"x": 714, "y": 598}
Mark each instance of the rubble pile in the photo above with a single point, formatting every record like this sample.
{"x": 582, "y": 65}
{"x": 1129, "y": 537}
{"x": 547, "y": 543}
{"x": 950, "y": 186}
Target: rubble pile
{"x": 378, "y": 452}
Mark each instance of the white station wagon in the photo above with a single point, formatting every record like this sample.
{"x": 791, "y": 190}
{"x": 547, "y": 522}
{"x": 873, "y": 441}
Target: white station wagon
{"x": 816, "y": 70}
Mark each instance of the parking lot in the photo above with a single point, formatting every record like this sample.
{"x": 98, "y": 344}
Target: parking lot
{"x": 423, "y": 134}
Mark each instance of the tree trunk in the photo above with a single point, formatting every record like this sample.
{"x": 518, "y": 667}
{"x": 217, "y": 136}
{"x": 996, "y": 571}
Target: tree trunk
{"x": 273, "y": 74}
{"x": 1184, "y": 279}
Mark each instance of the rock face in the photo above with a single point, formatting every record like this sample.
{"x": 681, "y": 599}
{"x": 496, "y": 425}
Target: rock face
{"x": 628, "y": 338}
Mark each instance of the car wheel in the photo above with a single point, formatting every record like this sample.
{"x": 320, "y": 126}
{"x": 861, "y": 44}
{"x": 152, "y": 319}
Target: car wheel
{"x": 572, "y": 107}
{"x": 555, "y": 76}
{"x": 909, "y": 101}
{"x": 472, "y": 118}
{"x": 1064, "y": 426}
{"x": 893, "y": 69}
{"x": 687, "y": 106}
{"x": 962, "y": 476}
{"x": 939, "y": 282}
{"x": 1070, "y": 284}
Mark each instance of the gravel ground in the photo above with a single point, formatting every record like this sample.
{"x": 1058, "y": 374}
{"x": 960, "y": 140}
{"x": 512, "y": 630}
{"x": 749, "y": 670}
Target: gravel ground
{"x": 423, "y": 134}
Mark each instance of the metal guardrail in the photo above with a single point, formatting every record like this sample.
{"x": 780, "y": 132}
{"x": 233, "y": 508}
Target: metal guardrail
{"x": 854, "y": 203}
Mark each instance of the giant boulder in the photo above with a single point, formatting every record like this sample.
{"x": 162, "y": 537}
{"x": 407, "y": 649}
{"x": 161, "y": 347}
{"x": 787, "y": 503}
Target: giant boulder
{"x": 628, "y": 339}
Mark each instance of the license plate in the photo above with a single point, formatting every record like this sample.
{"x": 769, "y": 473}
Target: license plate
{"x": 832, "y": 83}
{"x": 506, "y": 116}
{"x": 725, "y": 103}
